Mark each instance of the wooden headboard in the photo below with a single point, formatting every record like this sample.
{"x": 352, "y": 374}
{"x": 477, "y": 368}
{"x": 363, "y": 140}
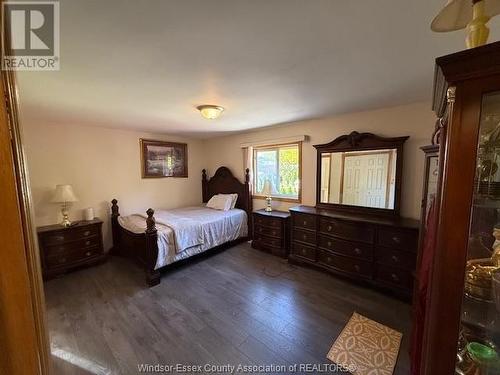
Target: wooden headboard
{"x": 224, "y": 182}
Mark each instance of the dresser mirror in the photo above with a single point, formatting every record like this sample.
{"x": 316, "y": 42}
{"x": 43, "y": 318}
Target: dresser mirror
{"x": 360, "y": 172}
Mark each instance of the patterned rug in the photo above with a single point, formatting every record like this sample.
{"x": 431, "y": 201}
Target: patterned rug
{"x": 366, "y": 347}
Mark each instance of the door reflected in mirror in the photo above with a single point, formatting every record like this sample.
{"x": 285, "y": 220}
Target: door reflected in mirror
{"x": 359, "y": 178}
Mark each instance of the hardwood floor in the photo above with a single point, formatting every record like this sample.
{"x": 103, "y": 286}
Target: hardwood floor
{"x": 237, "y": 306}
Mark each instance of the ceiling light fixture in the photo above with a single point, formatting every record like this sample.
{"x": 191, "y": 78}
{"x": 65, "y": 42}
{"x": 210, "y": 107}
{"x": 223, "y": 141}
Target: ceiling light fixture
{"x": 210, "y": 112}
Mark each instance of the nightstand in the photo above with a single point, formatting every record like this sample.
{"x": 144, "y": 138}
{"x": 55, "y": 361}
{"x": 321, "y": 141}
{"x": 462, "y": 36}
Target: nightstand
{"x": 271, "y": 232}
{"x": 65, "y": 248}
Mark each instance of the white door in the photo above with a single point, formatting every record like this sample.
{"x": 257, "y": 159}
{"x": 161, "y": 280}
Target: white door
{"x": 325, "y": 178}
{"x": 365, "y": 180}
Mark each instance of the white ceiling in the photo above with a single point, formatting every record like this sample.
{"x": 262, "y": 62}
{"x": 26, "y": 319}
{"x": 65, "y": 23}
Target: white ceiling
{"x": 147, "y": 64}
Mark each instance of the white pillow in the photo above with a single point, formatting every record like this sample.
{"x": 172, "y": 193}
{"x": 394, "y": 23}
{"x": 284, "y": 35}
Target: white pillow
{"x": 218, "y": 202}
{"x": 234, "y": 198}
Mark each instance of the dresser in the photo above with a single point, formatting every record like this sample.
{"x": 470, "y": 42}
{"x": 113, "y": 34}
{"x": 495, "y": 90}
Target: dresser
{"x": 271, "y": 232}
{"x": 374, "y": 250}
{"x": 62, "y": 249}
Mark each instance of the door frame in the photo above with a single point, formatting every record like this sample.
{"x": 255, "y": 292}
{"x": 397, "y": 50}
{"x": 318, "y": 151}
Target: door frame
{"x": 25, "y": 340}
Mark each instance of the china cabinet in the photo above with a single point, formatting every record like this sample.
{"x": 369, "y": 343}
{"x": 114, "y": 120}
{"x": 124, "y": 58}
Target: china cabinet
{"x": 461, "y": 321}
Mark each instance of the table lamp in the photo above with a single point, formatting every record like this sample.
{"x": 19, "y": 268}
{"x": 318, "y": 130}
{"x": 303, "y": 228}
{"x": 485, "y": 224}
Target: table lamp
{"x": 267, "y": 191}
{"x": 473, "y": 14}
{"x": 64, "y": 194}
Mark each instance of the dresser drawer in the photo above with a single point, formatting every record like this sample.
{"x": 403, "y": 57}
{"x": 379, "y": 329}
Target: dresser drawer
{"x": 304, "y": 221}
{"x": 353, "y": 249}
{"x": 305, "y": 236}
{"x": 268, "y": 231}
{"x": 73, "y": 246}
{"x": 304, "y": 251}
{"x": 351, "y": 231}
{"x": 398, "y": 238}
{"x": 396, "y": 258}
{"x": 59, "y": 260}
{"x": 266, "y": 241}
{"x": 397, "y": 277}
{"x": 349, "y": 265}
{"x": 267, "y": 221}
{"x": 67, "y": 235}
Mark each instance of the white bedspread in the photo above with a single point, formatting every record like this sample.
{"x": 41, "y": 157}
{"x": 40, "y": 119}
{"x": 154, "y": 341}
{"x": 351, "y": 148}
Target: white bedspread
{"x": 217, "y": 227}
{"x": 187, "y": 230}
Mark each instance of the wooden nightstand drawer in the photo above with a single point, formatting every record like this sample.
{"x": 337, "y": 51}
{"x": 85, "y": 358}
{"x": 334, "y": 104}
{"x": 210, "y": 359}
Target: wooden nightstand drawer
{"x": 73, "y": 246}
{"x": 267, "y": 221}
{"x": 267, "y": 242}
{"x": 70, "y": 234}
{"x": 73, "y": 257}
{"x": 64, "y": 248}
{"x": 268, "y": 231}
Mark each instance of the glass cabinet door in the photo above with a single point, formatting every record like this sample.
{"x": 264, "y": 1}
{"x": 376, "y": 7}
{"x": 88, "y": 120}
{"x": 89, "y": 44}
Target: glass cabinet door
{"x": 479, "y": 340}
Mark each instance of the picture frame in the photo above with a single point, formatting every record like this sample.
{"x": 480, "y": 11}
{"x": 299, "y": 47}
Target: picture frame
{"x": 161, "y": 159}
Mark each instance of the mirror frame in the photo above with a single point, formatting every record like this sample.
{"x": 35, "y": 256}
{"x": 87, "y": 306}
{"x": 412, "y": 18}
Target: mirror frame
{"x": 362, "y": 142}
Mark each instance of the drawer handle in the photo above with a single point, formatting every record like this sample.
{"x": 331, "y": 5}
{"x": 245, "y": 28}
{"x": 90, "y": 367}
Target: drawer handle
{"x": 273, "y": 233}
{"x": 357, "y": 268}
{"x": 305, "y": 222}
{"x": 329, "y": 259}
{"x": 395, "y": 277}
{"x": 357, "y": 251}
{"x": 62, "y": 260}
{"x": 304, "y": 236}
{"x": 329, "y": 229}
{"x": 86, "y": 233}
{"x": 88, "y": 253}
{"x": 260, "y": 229}
{"x": 87, "y": 243}
{"x": 395, "y": 259}
{"x": 304, "y": 251}
{"x": 329, "y": 243}
{"x": 396, "y": 239}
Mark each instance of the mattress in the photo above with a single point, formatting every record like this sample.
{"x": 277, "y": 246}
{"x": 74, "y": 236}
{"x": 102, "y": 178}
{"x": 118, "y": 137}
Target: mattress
{"x": 217, "y": 227}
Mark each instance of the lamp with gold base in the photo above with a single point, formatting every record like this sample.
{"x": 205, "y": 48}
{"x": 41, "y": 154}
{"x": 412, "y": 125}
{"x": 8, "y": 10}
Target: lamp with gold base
{"x": 267, "y": 191}
{"x": 64, "y": 194}
{"x": 470, "y": 14}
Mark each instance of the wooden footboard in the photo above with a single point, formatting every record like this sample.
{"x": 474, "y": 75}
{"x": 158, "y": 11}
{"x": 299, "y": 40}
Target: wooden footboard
{"x": 142, "y": 248}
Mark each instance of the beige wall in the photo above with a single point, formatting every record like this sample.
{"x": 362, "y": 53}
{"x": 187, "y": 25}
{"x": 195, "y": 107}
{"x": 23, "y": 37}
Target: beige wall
{"x": 102, "y": 164}
{"x": 415, "y": 120}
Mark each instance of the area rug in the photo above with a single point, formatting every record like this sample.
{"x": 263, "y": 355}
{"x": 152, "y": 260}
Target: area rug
{"x": 365, "y": 347}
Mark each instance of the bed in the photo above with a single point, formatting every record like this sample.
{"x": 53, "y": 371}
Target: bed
{"x": 156, "y": 240}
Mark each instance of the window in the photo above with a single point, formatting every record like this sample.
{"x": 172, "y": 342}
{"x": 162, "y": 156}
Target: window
{"x": 281, "y": 166}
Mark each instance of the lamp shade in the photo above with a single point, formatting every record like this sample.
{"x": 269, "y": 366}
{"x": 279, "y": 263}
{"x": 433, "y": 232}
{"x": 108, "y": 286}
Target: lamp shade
{"x": 458, "y": 13}
{"x": 267, "y": 188}
{"x": 63, "y": 194}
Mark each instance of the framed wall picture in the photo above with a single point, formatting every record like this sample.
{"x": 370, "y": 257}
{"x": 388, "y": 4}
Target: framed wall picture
{"x": 163, "y": 159}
